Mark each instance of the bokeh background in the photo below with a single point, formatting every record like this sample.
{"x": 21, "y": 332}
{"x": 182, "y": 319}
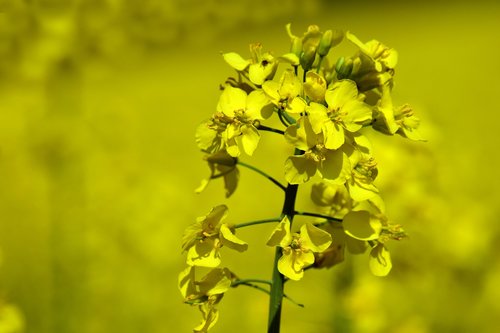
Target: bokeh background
{"x": 99, "y": 100}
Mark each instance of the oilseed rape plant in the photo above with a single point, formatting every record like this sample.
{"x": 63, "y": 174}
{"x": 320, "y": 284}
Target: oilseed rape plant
{"x": 324, "y": 106}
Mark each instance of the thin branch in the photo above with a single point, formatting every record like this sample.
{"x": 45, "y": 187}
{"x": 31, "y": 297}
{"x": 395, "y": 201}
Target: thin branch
{"x": 251, "y": 285}
{"x": 262, "y": 173}
{"x": 270, "y": 129}
{"x": 329, "y": 218}
{"x": 246, "y": 224}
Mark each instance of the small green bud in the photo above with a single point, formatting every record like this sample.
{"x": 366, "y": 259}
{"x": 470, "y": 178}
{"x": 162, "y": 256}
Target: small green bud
{"x": 307, "y": 58}
{"x": 343, "y": 68}
{"x": 296, "y": 47}
{"x": 325, "y": 43}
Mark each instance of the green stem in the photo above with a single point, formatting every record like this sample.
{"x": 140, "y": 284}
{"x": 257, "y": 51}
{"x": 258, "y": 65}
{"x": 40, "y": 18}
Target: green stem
{"x": 329, "y": 218}
{"x": 270, "y": 129}
{"x": 246, "y": 224}
{"x": 249, "y": 284}
{"x": 277, "y": 287}
{"x": 246, "y": 281}
{"x": 273, "y": 180}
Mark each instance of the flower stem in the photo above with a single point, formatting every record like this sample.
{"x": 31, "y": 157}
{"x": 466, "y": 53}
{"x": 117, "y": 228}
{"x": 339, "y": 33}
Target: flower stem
{"x": 248, "y": 283}
{"x": 273, "y": 180}
{"x": 329, "y": 218}
{"x": 270, "y": 129}
{"x": 246, "y": 224}
{"x": 277, "y": 286}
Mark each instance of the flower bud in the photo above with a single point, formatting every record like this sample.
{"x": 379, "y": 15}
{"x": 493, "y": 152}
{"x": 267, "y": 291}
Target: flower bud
{"x": 307, "y": 58}
{"x": 296, "y": 47}
{"x": 343, "y": 68}
{"x": 325, "y": 43}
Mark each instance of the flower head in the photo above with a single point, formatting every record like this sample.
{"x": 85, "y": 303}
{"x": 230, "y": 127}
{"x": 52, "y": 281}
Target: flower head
{"x": 298, "y": 248}
{"x": 233, "y": 126}
{"x": 203, "y": 239}
{"x": 330, "y": 164}
{"x": 345, "y": 112}
{"x": 259, "y": 68}
{"x": 222, "y": 164}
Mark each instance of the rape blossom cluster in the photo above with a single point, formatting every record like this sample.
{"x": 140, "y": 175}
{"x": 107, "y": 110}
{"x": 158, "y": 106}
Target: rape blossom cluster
{"x": 325, "y": 106}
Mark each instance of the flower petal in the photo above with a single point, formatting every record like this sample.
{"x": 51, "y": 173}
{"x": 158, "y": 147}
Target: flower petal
{"x": 315, "y": 87}
{"x": 236, "y": 61}
{"x": 186, "y": 282}
{"x": 296, "y": 106}
{"x": 318, "y": 116}
{"x": 230, "y": 240}
{"x": 210, "y": 317}
{"x": 356, "y": 113}
{"x": 290, "y": 85}
{"x": 287, "y": 266}
{"x": 281, "y": 234}
{"x": 380, "y": 260}
{"x": 334, "y": 135}
{"x": 313, "y": 238}
{"x": 232, "y": 99}
{"x": 340, "y": 93}
{"x": 335, "y": 167}
{"x": 361, "y": 225}
{"x": 204, "y": 253}
{"x": 258, "y": 105}
{"x": 249, "y": 139}
{"x": 215, "y": 282}
{"x": 299, "y": 169}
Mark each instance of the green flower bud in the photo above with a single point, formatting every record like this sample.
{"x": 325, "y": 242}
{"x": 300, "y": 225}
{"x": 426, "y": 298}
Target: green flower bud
{"x": 325, "y": 43}
{"x": 296, "y": 47}
{"x": 343, "y": 68}
{"x": 307, "y": 58}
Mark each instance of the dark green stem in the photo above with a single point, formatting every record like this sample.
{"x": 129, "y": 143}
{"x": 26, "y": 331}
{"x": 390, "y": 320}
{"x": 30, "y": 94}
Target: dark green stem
{"x": 277, "y": 287}
{"x": 248, "y": 283}
{"x": 246, "y": 224}
{"x": 329, "y": 218}
{"x": 270, "y": 129}
{"x": 251, "y": 167}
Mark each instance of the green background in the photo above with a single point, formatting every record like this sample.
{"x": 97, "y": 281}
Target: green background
{"x": 99, "y": 101}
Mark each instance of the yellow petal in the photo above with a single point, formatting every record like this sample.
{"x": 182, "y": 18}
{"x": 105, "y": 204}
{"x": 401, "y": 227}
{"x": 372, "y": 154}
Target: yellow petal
{"x": 258, "y": 105}
{"x": 210, "y": 317}
{"x": 340, "y": 93}
{"x": 271, "y": 88}
{"x": 249, "y": 139}
{"x": 286, "y": 265}
{"x": 361, "y": 225}
{"x": 313, "y": 238}
{"x": 232, "y": 99}
{"x": 315, "y": 87}
{"x": 230, "y": 179}
{"x": 296, "y": 106}
{"x": 207, "y": 138}
{"x": 290, "y": 58}
{"x": 356, "y": 113}
{"x": 204, "y": 253}
{"x": 186, "y": 282}
{"x": 230, "y": 240}
{"x": 215, "y": 282}
{"x": 318, "y": 116}
{"x": 281, "y": 234}
{"x": 335, "y": 166}
{"x": 299, "y": 169}
{"x": 290, "y": 85}
{"x": 334, "y": 135}
{"x": 236, "y": 61}
{"x": 380, "y": 260}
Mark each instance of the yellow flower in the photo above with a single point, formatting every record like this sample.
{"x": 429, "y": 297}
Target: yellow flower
{"x": 298, "y": 248}
{"x": 221, "y": 164}
{"x": 285, "y": 94}
{"x": 360, "y": 181}
{"x": 233, "y": 126}
{"x": 345, "y": 112}
{"x": 315, "y": 87}
{"x": 408, "y": 123}
{"x": 333, "y": 198}
{"x": 203, "y": 239}
{"x": 374, "y": 65}
{"x": 259, "y": 68}
{"x": 205, "y": 293}
{"x": 330, "y": 164}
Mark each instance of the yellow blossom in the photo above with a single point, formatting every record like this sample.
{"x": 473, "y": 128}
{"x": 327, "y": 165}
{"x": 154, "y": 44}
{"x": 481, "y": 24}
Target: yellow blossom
{"x": 317, "y": 158}
{"x": 286, "y": 94}
{"x": 203, "y": 239}
{"x": 259, "y": 68}
{"x": 233, "y": 126}
{"x": 221, "y": 164}
{"x": 345, "y": 112}
{"x": 298, "y": 248}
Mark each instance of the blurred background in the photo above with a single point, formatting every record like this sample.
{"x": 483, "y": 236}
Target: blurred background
{"x": 99, "y": 100}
